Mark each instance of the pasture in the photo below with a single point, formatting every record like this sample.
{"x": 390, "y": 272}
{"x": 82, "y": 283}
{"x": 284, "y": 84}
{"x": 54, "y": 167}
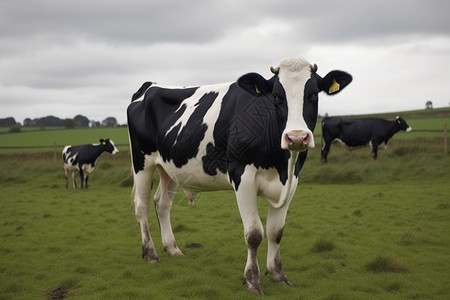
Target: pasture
{"x": 356, "y": 229}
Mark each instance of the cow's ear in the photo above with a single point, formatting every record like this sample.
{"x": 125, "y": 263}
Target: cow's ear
{"x": 254, "y": 84}
{"x": 102, "y": 141}
{"x": 334, "y": 82}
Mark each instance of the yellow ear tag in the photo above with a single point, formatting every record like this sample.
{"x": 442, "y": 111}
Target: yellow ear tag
{"x": 398, "y": 121}
{"x": 103, "y": 143}
{"x": 334, "y": 87}
{"x": 257, "y": 90}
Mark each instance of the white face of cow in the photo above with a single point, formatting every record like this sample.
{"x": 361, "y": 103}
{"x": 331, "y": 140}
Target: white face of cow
{"x": 293, "y": 75}
{"x": 297, "y": 86}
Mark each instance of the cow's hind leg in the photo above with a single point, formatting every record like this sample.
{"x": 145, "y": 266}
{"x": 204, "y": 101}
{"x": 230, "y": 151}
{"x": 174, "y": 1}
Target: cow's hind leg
{"x": 74, "y": 182}
{"x": 253, "y": 231}
{"x": 325, "y": 151}
{"x": 66, "y": 174}
{"x": 141, "y": 190}
{"x": 163, "y": 202}
{"x": 275, "y": 225}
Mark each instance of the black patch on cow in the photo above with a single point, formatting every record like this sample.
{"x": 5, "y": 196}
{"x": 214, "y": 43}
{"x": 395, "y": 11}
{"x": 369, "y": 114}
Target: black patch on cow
{"x": 180, "y": 146}
{"x": 156, "y": 113}
{"x": 248, "y": 131}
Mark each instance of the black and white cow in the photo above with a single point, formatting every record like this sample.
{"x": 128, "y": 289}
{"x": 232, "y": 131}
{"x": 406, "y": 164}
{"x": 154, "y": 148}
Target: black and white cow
{"x": 82, "y": 159}
{"x": 360, "y": 132}
{"x": 250, "y": 136}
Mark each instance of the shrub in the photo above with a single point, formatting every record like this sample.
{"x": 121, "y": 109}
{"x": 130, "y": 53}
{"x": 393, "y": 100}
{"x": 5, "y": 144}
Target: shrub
{"x": 323, "y": 245}
{"x": 15, "y": 128}
{"x": 386, "y": 264}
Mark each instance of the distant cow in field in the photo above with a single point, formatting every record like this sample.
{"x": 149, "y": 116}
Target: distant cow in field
{"x": 83, "y": 158}
{"x": 360, "y": 132}
{"x": 250, "y": 136}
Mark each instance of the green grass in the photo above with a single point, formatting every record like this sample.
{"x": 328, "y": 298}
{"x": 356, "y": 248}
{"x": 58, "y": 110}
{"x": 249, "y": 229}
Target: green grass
{"x": 46, "y": 139}
{"x": 356, "y": 229}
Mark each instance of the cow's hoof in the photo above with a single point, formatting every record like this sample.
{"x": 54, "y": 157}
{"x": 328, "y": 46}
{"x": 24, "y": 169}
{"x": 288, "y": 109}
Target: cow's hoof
{"x": 286, "y": 282}
{"x": 280, "y": 278}
{"x": 254, "y": 287}
{"x": 175, "y": 252}
{"x": 254, "y": 290}
{"x": 153, "y": 260}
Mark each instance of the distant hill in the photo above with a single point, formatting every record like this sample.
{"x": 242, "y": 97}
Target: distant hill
{"x": 412, "y": 114}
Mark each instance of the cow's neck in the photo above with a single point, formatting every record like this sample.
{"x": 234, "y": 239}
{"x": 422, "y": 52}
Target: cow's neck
{"x": 98, "y": 151}
{"x": 392, "y": 130}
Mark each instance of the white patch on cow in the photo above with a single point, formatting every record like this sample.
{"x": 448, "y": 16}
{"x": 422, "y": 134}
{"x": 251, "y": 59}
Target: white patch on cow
{"x": 293, "y": 74}
{"x": 192, "y": 177}
{"x": 211, "y": 115}
{"x": 88, "y": 168}
{"x": 114, "y": 146}
{"x": 270, "y": 187}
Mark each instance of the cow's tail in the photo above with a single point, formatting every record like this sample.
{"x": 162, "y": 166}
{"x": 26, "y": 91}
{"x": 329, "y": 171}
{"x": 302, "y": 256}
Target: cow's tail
{"x": 141, "y": 91}
{"x": 324, "y": 131}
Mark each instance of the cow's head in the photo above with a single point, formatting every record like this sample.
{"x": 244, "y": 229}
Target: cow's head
{"x": 296, "y": 85}
{"x": 401, "y": 123}
{"x": 108, "y": 146}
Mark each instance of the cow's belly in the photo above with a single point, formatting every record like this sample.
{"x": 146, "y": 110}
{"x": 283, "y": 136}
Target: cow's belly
{"x": 192, "y": 177}
{"x": 352, "y": 144}
{"x": 87, "y": 168}
{"x": 269, "y": 184}
{"x": 70, "y": 167}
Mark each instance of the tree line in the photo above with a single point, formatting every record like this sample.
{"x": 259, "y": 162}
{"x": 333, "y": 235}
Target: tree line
{"x": 52, "y": 121}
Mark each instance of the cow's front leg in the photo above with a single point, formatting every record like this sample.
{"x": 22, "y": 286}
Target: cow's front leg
{"x": 86, "y": 180}
{"x": 142, "y": 190}
{"x": 275, "y": 225}
{"x": 253, "y": 232}
{"x": 374, "y": 150}
{"x": 163, "y": 203}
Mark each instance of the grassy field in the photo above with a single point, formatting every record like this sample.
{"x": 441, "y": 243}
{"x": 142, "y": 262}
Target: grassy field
{"x": 44, "y": 140}
{"x": 356, "y": 229}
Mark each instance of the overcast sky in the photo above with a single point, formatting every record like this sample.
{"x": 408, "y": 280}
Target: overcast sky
{"x": 63, "y": 58}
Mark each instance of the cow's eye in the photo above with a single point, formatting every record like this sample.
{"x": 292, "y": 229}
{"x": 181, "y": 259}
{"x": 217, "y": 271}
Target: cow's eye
{"x": 276, "y": 99}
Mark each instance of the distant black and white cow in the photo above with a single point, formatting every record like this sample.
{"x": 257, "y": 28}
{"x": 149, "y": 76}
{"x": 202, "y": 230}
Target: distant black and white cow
{"x": 83, "y": 158}
{"x": 360, "y": 132}
{"x": 250, "y": 136}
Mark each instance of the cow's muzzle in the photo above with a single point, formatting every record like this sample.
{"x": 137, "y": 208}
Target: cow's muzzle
{"x": 298, "y": 140}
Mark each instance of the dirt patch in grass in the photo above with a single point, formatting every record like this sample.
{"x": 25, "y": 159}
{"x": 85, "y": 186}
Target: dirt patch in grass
{"x": 59, "y": 293}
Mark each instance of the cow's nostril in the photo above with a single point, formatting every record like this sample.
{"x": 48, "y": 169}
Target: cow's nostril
{"x": 306, "y": 139}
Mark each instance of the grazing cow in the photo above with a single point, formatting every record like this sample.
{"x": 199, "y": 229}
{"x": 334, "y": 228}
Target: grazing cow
{"x": 360, "y": 132}
{"x": 250, "y": 136}
{"x": 82, "y": 159}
